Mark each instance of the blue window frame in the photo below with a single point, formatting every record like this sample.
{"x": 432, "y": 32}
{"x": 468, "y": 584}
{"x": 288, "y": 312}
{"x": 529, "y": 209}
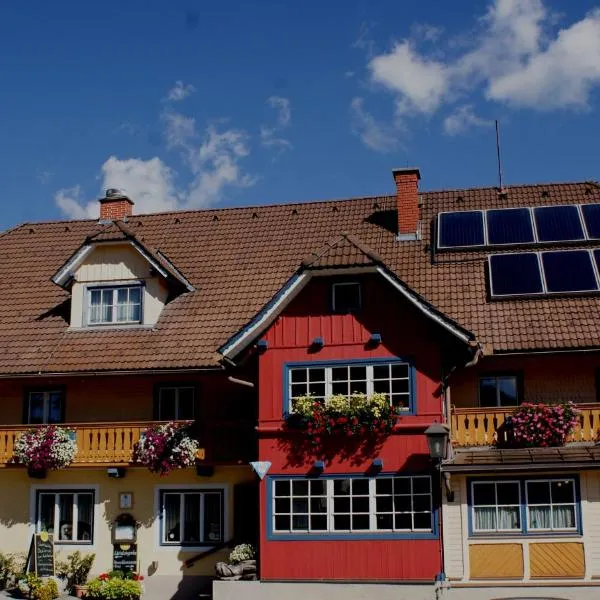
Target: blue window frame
{"x": 524, "y": 506}
{"x": 394, "y": 377}
{"x": 352, "y": 506}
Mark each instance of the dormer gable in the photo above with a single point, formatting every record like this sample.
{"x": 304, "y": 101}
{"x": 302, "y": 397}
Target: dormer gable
{"x": 115, "y": 280}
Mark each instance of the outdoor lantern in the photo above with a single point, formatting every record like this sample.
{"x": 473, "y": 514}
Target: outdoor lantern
{"x": 437, "y": 440}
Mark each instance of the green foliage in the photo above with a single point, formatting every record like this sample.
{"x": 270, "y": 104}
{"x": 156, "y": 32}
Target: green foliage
{"x": 33, "y": 587}
{"x": 11, "y": 568}
{"x": 75, "y": 569}
{"x": 114, "y": 589}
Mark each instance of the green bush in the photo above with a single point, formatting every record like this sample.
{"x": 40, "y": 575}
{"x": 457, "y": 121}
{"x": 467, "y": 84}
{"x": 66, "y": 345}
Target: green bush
{"x": 32, "y": 586}
{"x": 113, "y": 586}
{"x": 6, "y": 570}
{"x": 75, "y": 569}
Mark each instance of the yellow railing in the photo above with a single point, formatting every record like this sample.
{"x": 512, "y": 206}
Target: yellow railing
{"x": 484, "y": 426}
{"x": 97, "y": 443}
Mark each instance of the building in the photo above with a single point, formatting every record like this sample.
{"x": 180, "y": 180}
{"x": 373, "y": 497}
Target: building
{"x": 458, "y": 305}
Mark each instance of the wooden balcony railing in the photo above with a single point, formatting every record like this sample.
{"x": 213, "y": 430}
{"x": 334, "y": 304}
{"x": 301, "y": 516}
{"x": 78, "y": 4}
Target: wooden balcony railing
{"x": 113, "y": 443}
{"x": 484, "y": 426}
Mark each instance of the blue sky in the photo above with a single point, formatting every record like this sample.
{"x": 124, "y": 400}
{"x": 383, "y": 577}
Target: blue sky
{"x": 197, "y": 103}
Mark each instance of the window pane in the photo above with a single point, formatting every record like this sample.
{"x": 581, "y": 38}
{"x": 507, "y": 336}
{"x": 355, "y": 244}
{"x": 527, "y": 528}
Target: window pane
{"x": 107, "y": 297}
{"x": 487, "y": 392}
{"x": 107, "y": 314}
{"x": 484, "y": 493}
{"x": 381, "y": 371}
{"x": 384, "y": 504}
{"x": 172, "y": 513}
{"x": 166, "y": 406}
{"x": 383, "y": 485}
{"x": 46, "y": 512}
{"x": 316, "y": 375}
{"x": 65, "y": 505}
{"x": 562, "y": 491}
{"x": 508, "y": 493}
{"x": 540, "y": 517}
{"x": 341, "y": 505}
{"x": 282, "y": 488}
{"x": 421, "y": 485}
{"x": 360, "y": 522}
{"x": 385, "y": 521}
{"x": 85, "y": 506}
{"x": 95, "y": 297}
{"x": 509, "y": 517}
{"x": 122, "y": 295}
{"x": 403, "y": 521}
{"x": 282, "y": 505}
{"x": 563, "y": 517}
{"x": 538, "y": 492}
{"x": 186, "y": 403}
{"x": 282, "y": 523}
{"x": 300, "y": 505}
{"x": 135, "y": 312}
{"x": 298, "y": 375}
{"x": 402, "y": 485}
{"x": 507, "y": 389}
{"x": 122, "y": 312}
{"x": 54, "y": 407}
{"x": 341, "y": 486}
{"x": 422, "y": 503}
{"x": 339, "y": 374}
{"x": 402, "y": 504}
{"x": 319, "y": 505}
{"x": 360, "y": 486}
{"x": 300, "y": 487}
{"x": 318, "y": 487}
{"x": 422, "y": 521}
{"x": 36, "y": 408}
{"x": 318, "y": 523}
{"x": 340, "y": 387}
{"x": 300, "y": 522}
{"x": 135, "y": 295}
{"x": 213, "y": 518}
{"x": 191, "y": 518}
{"x": 360, "y": 504}
{"x": 485, "y": 519}
{"x": 341, "y": 522}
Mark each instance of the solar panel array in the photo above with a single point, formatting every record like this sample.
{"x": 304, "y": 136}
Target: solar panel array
{"x": 518, "y": 226}
{"x": 544, "y": 273}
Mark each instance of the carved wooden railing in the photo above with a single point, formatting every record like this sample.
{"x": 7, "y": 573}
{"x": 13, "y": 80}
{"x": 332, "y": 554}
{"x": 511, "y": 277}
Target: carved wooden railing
{"x": 483, "y": 426}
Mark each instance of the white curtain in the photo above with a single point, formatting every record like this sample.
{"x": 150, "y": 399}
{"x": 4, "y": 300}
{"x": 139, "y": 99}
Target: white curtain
{"x": 540, "y": 517}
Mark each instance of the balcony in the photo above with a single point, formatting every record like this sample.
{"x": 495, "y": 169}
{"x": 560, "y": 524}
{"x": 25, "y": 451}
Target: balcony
{"x": 483, "y": 426}
{"x": 112, "y": 444}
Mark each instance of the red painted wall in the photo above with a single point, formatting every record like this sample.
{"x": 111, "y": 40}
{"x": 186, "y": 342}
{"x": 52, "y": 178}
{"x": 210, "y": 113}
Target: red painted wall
{"x": 406, "y": 333}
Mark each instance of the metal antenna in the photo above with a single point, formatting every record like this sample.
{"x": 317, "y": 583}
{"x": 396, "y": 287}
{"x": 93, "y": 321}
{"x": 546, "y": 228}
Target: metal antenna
{"x": 498, "y": 155}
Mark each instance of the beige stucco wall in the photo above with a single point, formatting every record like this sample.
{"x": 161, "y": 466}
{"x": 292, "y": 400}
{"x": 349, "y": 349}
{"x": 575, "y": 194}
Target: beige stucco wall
{"x": 17, "y": 502}
{"x": 122, "y": 263}
{"x": 456, "y": 532}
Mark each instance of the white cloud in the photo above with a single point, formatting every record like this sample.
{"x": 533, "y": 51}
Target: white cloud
{"x": 180, "y": 91}
{"x": 282, "y": 105}
{"x": 463, "y": 119}
{"x": 419, "y": 83}
{"x": 514, "y": 56}
{"x": 44, "y": 177}
{"x": 375, "y": 135}
{"x": 69, "y": 202}
{"x": 268, "y": 138}
{"x": 179, "y": 129}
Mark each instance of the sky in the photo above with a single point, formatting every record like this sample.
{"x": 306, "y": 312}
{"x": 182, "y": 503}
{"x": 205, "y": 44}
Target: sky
{"x": 201, "y": 104}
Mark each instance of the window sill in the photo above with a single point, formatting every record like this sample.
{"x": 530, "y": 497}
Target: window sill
{"x": 112, "y": 327}
{"x": 520, "y": 535}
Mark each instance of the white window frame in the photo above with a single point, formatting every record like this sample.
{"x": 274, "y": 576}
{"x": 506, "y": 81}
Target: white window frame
{"x": 551, "y": 504}
{"x": 181, "y": 492}
{"x": 369, "y": 379}
{"x": 330, "y": 511}
{"x": 114, "y": 288}
{"x": 177, "y": 388}
{"x": 57, "y": 491}
{"x": 46, "y": 394}
{"x": 339, "y": 284}
{"x": 496, "y": 377}
{"x": 495, "y": 482}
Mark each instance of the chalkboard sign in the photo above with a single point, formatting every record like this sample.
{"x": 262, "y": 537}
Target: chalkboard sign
{"x": 125, "y": 557}
{"x": 43, "y": 554}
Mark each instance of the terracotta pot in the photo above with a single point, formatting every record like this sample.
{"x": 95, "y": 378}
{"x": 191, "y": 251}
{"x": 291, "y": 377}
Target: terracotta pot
{"x": 80, "y": 590}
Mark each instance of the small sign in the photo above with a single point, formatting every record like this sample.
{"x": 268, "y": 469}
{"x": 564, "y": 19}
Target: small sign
{"x": 43, "y": 554}
{"x": 125, "y": 557}
{"x": 126, "y": 500}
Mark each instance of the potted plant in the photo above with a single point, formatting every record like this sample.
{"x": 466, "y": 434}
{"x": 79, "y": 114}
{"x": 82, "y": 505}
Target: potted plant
{"x": 541, "y": 425}
{"x": 357, "y": 414}
{"x": 44, "y": 448}
{"x": 241, "y": 564}
{"x": 164, "y": 447}
{"x": 116, "y": 585}
{"x": 75, "y": 571}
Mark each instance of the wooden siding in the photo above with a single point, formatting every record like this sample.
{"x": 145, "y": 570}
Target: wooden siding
{"x": 496, "y": 561}
{"x": 454, "y": 566}
{"x": 555, "y": 560}
{"x": 483, "y": 426}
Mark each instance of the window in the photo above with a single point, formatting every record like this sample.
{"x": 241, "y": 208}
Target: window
{"x": 391, "y": 378}
{"x": 44, "y": 407}
{"x": 499, "y": 390}
{"x": 352, "y": 505}
{"x": 175, "y": 403}
{"x": 524, "y": 506}
{"x": 346, "y": 297}
{"x": 110, "y": 305}
{"x": 68, "y": 514}
{"x": 191, "y": 517}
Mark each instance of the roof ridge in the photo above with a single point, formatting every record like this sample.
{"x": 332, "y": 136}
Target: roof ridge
{"x": 333, "y": 243}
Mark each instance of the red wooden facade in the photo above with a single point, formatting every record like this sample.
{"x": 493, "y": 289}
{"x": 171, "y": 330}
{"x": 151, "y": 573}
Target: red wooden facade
{"x": 405, "y": 333}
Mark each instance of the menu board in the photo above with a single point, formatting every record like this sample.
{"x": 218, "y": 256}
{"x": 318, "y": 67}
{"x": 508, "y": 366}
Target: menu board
{"x": 43, "y": 554}
{"x": 124, "y": 557}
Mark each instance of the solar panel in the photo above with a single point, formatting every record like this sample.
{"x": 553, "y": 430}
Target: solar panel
{"x": 460, "y": 229}
{"x": 569, "y": 271}
{"x": 558, "y": 223}
{"x": 591, "y": 216}
{"x": 515, "y": 274}
{"x": 509, "y": 226}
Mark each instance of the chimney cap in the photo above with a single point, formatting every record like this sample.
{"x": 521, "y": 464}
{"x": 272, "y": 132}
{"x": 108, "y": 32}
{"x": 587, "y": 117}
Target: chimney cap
{"x": 113, "y": 194}
{"x": 407, "y": 171}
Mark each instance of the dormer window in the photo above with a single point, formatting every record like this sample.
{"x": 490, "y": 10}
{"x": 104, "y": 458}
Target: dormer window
{"x": 346, "y": 297}
{"x": 114, "y": 305}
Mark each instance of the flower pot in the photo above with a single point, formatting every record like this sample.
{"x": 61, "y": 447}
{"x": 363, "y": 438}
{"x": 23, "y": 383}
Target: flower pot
{"x": 36, "y": 473}
{"x": 80, "y": 591}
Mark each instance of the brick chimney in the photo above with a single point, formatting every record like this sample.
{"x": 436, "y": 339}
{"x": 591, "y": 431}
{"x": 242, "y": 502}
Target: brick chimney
{"x": 115, "y": 206}
{"x": 407, "y": 202}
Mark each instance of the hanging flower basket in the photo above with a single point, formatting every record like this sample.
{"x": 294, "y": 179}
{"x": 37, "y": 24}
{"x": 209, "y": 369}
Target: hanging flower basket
{"x": 541, "y": 425}
{"x": 358, "y": 414}
{"x": 163, "y": 448}
{"x": 45, "y": 448}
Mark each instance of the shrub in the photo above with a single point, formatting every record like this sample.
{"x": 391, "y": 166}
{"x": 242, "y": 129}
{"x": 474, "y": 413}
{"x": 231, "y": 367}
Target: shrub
{"x": 116, "y": 586}
{"x": 542, "y": 425}
{"x": 162, "y": 448}
{"x": 240, "y": 553}
{"x": 11, "y": 568}
{"x": 33, "y": 587}
{"x": 75, "y": 569}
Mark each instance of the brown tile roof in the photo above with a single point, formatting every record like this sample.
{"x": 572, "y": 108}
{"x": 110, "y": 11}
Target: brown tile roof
{"x": 573, "y": 456}
{"x": 237, "y": 259}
